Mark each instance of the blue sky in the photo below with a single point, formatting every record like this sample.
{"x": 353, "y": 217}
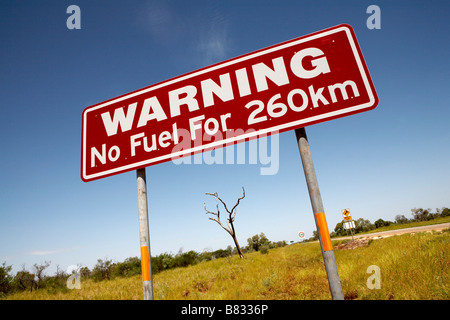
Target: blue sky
{"x": 378, "y": 163}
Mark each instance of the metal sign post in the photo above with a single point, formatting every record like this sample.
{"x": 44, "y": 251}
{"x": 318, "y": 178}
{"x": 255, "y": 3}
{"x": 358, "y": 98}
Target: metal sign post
{"x": 147, "y": 281}
{"x": 319, "y": 215}
{"x": 348, "y": 222}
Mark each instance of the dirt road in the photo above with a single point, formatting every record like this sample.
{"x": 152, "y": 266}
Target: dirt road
{"x": 388, "y": 233}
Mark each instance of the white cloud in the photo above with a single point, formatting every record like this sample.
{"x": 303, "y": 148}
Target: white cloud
{"x": 49, "y": 252}
{"x": 213, "y": 43}
{"x": 160, "y": 21}
{"x": 205, "y": 31}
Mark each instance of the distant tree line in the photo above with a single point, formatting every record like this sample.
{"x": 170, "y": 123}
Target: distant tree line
{"x": 364, "y": 225}
{"x": 106, "y": 269}
{"x": 34, "y": 280}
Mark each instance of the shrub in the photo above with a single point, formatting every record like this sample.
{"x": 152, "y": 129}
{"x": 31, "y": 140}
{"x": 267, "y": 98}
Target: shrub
{"x": 55, "y": 284}
{"x": 221, "y": 253}
{"x": 421, "y": 214}
{"x": 186, "y": 259}
{"x": 258, "y": 241}
{"x": 129, "y": 267}
{"x": 24, "y": 280}
{"x": 5, "y": 279}
{"x": 400, "y": 219}
{"x": 102, "y": 270}
{"x": 162, "y": 262}
{"x": 264, "y": 249}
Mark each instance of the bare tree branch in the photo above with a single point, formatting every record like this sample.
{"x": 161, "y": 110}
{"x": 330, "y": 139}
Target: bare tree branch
{"x": 238, "y": 200}
{"x": 217, "y": 214}
{"x": 230, "y": 219}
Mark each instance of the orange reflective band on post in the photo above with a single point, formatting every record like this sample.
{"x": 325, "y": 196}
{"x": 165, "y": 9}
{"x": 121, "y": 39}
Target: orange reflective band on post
{"x": 145, "y": 263}
{"x": 323, "y": 230}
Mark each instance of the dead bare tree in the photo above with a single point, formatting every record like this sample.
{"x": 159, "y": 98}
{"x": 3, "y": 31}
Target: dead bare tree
{"x": 231, "y": 216}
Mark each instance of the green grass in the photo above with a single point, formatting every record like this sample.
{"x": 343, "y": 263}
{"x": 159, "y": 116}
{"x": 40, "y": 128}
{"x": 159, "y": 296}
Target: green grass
{"x": 411, "y": 266}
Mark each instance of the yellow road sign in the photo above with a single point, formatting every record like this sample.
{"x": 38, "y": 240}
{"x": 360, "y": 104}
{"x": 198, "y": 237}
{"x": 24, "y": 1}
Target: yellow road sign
{"x": 346, "y": 214}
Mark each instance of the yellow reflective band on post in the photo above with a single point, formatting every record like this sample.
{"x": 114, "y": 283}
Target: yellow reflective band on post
{"x": 323, "y": 230}
{"x": 145, "y": 263}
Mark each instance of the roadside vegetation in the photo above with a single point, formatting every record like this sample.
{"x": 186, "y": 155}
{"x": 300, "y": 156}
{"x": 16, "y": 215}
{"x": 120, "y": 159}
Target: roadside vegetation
{"x": 420, "y": 217}
{"x": 412, "y": 267}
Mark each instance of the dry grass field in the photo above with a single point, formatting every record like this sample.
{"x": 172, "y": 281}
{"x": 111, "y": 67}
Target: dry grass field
{"x": 412, "y": 267}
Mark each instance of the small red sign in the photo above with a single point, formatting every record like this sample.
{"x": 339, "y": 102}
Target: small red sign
{"x": 311, "y": 79}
